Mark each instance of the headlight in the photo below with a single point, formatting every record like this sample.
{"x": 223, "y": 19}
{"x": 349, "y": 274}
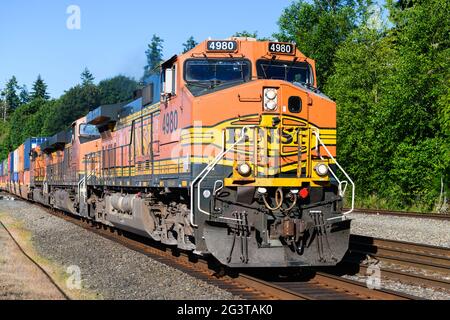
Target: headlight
{"x": 270, "y": 99}
{"x": 244, "y": 169}
{"x": 271, "y": 105}
{"x": 321, "y": 169}
{"x": 271, "y": 94}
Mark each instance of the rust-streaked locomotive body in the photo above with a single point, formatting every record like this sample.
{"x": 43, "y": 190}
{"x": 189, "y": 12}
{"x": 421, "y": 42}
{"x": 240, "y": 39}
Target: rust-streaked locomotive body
{"x": 229, "y": 151}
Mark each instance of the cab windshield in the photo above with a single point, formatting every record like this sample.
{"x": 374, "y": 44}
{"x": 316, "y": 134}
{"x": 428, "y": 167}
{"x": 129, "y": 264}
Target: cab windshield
{"x": 204, "y": 76}
{"x": 290, "y": 71}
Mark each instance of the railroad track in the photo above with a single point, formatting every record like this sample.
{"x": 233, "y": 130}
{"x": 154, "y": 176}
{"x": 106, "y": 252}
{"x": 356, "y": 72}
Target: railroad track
{"x": 320, "y": 286}
{"x": 433, "y": 216}
{"x": 246, "y": 284}
{"x": 413, "y": 263}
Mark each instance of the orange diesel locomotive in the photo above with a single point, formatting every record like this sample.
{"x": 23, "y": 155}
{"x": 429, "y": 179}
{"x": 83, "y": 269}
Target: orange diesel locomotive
{"x": 229, "y": 151}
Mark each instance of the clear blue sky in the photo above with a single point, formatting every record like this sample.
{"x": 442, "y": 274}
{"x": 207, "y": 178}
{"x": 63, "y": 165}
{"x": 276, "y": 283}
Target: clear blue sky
{"x": 112, "y": 40}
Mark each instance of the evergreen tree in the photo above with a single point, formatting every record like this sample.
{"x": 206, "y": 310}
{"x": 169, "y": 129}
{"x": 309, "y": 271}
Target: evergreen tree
{"x": 12, "y": 100}
{"x": 24, "y": 96}
{"x": 39, "y": 89}
{"x": 154, "y": 56}
{"x": 86, "y": 77}
{"x": 189, "y": 44}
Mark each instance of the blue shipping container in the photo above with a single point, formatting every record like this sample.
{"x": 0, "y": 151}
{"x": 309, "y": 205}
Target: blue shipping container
{"x": 30, "y": 144}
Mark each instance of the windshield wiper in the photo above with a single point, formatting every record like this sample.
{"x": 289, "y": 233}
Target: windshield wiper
{"x": 223, "y": 83}
{"x": 199, "y": 84}
{"x": 213, "y": 83}
{"x": 310, "y": 87}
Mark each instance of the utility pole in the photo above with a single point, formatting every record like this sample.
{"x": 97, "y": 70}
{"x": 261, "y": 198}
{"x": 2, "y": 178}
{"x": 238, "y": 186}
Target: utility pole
{"x": 5, "y": 110}
{"x": 4, "y": 105}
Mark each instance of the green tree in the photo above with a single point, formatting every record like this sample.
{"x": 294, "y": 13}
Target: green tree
{"x": 4, "y": 140}
{"x": 86, "y": 77}
{"x": 391, "y": 87}
{"x": 362, "y": 62}
{"x": 39, "y": 89}
{"x": 154, "y": 55}
{"x": 21, "y": 122}
{"x": 319, "y": 27}
{"x": 417, "y": 98}
{"x": 117, "y": 89}
{"x": 72, "y": 105}
{"x": 247, "y": 34}
{"x": 12, "y": 100}
{"x": 24, "y": 96}
{"x": 189, "y": 44}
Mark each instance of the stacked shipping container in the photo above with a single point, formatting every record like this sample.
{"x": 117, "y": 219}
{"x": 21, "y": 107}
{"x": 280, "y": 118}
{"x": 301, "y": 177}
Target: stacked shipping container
{"x": 15, "y": 171}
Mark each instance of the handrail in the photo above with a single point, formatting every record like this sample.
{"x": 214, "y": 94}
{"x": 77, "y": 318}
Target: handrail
{"x": 204, "y": 173}
{"x": 341, "y": 191}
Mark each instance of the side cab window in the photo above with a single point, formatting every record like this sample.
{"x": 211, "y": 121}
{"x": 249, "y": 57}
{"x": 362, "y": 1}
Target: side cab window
{"x": 169, "y": 79}
{"x": 88, "y": 132}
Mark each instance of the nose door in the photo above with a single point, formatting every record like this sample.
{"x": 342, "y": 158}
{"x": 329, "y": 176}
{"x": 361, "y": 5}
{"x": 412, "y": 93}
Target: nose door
{"x": 294, "y": 114}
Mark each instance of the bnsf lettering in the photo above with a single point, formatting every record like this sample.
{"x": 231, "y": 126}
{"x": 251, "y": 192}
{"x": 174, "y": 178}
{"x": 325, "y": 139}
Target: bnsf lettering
{"x": 170, "y": 122}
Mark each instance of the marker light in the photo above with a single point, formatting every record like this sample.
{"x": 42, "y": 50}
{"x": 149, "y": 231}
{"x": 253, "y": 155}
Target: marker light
{"x": 304, "y": 193}
{"x": 262, "y": 190}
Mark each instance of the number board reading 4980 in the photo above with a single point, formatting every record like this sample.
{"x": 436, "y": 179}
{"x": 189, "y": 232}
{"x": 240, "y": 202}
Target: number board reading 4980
{"x": 222, "y": 46}
{"x": 282, "y": 48}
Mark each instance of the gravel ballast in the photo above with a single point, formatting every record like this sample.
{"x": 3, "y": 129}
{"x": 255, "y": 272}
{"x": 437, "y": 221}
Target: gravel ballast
{"x": 107, "y": 268}
{"x": 413, "y": 290}
{"x": 417, "y": 230}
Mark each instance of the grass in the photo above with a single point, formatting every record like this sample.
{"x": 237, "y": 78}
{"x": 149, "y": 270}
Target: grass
{"x": 376, "y": 202}
{"x": 55, "y": 270}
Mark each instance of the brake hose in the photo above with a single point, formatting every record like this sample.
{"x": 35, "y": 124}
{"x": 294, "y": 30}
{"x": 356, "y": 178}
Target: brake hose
{"x": 278, "y": 200}
{"x": 293, "y": 203}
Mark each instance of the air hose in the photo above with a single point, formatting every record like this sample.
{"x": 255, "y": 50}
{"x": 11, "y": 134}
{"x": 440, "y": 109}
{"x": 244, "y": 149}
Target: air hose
{"x": 278, "y": 200}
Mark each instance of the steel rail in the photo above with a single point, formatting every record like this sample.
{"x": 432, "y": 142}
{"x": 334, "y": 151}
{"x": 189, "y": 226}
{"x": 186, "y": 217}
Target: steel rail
{"x": 320, "y": 286}
{"x": 434, "y": 216}
{"x": 404, "y": 261}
